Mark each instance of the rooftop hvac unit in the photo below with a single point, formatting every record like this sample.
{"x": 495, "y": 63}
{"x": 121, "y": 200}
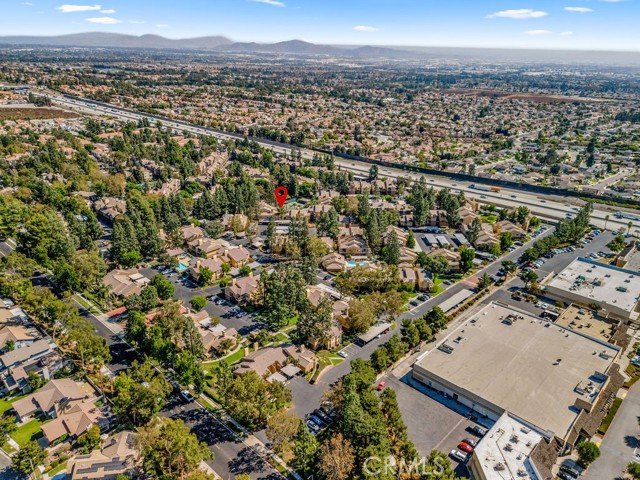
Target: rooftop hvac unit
{"x": 445, "y": 348}
{"x": 524, "y": 429}
{"x": 499, "y": 466}
{"x": 621, "y": 289}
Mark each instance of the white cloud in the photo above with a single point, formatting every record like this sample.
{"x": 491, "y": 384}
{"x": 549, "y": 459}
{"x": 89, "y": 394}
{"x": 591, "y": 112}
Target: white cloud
{"x": 106, "y": 12}
{"x": 538, "y": 32}
{"x": 519, "y": 14}
{"x": 162, "y": 25}
{"x": 66, "y": 8}
{"x": 578, "y": 9}
{"x": 365, "y": 28}
{"x": 136, "y": 22}
{"x": 275, "y": 3}
{"x": 103, "y": 20}
{"x": 566, "y": 34}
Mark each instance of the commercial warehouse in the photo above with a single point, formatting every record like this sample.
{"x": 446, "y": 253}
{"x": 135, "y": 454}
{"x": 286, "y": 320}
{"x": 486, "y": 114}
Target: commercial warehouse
{"x": 504, "y": 360}
{"x": 616, "y": 290}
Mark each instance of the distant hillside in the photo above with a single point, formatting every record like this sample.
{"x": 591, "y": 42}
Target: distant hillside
{"x": 116, "y": 40}
{"x": 217, "y": 43}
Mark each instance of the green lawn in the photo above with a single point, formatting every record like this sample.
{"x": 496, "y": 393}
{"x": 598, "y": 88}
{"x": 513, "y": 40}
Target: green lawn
{"x": 606, "y": 421}
{"x": 57, "y": 470}
{"x": 29, "y": 431}
{"x": 634, "y": 372}
{"x": 230, "y": 359}
{"x": 6, "y": 404}
{"x": 326, "y": 359}
{"x": 437, "y": 286}
{"x": 489, "y": 218}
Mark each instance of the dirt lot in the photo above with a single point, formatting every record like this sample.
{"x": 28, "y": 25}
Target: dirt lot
{"x": 33, "y": 113}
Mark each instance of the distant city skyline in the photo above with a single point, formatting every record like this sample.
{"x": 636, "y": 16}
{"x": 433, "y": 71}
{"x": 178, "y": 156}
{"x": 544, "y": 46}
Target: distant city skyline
{"x": 570, "y": 24}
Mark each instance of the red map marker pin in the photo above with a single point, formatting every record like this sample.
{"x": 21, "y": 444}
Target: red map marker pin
{"x": 281, "y": 195}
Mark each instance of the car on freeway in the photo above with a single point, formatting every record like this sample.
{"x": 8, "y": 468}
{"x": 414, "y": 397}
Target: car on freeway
{"x": 458, "y": 455}
{"x": 465, "y": 447}
{"x": 380, "y": 386}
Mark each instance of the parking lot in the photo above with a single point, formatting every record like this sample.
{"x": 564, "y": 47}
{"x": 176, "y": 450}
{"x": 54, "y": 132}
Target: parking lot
{"x": 433, "y": 421}
{"x": 350, "y": 351}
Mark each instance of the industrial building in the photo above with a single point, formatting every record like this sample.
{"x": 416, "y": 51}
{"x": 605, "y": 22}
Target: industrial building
{"x": 615, "y": 290}
{"x": 505, "y": 360}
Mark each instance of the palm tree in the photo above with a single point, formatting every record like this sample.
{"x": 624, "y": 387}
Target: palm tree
{"x": 606, "y": 219}
{"x": 629, "y": 225}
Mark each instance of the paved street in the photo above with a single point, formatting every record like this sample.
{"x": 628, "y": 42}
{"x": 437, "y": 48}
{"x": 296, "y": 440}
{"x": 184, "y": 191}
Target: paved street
{"x": 620, "y": 444}
{"x": 6, "y": 472}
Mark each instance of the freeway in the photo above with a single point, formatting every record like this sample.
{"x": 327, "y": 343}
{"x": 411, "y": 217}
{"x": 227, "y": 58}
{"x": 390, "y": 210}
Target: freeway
{"x": 548, "y": 208}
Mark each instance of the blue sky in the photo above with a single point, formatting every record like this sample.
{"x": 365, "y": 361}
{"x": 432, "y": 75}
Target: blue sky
{"x": 571, "y": 24}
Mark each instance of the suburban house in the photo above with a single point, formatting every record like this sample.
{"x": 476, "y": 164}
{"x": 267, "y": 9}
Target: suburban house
{"x": 400, "y": 233}
{"x": 17, "y": 334}
{"x": 110, "y": 208}
{"x": 242, "y": 290}
{"x": 212, "y": 264}
{"x": 407, "y": 257}
{"x": 264, "y": 361}
{"x": 118, "y": 455}
{"x": 408, "y": 276}
{"x": 75, "y": 420}
{"x": 238, "y": 257}
{"x": 453, "y": 258}
{"x": 52, "y": 399}
{"x": 41, "y": 358}
{"x": 334, "y": 263}
{"x": 332, "y": 340}
{"x": 269, "y": 360}
{"x": 218, "y": 339}
{"x": 506, "y": 226}
{"x": 424, "y": 282}
{"x": 124, "y": 283}
{"x": 205, "y": 247}
{"x": 353, "y": 246}
{"x": 191, "y": 233}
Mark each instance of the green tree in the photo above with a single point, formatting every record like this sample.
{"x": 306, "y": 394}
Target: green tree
{"x": 163, "y": 286}
{"x": 633, "y": 469}
{"x": 305, "y": 451}
{"x": 314, "y": 323}
{"x": 380, "y": 359}
{"x": 28, "y": 458}
{"x": 588, "y": 452}
{"x": 327, "y": 224}
{"x": 252, "y": 400}
{"x": 484, "y": 281}
{"x": 7, "y": 427}
{"x": 410, "y": 333}
{"x": 245, "y": 271}
{"x": 529, "y": 277}
{"x": 466, "y": 259}
{"x": 170, "y": 450}
{"x": 86, "y": 346}
{"x": 198, "y": 303}
{"x": 411, "y": 240}
{"x": 436, "y": 319}
{"x": 508, "y": 266}
{"x": 139, "y": 393}
{"x": 90, "y": 440}
{"x": 506, "y": 240}
{"x": 205, "y": 275}
{"x": 391, "y": 249}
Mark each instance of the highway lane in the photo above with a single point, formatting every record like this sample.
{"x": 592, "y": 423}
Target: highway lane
{"x": 548, "y": 208}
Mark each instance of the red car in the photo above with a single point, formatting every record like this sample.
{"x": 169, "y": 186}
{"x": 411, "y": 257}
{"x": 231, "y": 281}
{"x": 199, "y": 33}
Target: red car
{"x": 465, "y": 447}
{"x": 380, "y": 386}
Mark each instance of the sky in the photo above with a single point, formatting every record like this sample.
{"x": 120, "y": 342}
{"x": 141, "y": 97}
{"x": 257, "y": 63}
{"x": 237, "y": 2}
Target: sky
{"x": 556, "y": 24}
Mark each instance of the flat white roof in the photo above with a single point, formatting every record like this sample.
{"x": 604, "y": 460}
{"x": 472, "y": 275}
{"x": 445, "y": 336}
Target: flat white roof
{"x": 600, "y": 283}
{"x": 503, "y": 453}
{"x": 530, "y": 367}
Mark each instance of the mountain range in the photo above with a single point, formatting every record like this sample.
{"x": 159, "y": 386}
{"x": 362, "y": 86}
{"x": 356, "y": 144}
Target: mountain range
{"x": 210, "y": 43}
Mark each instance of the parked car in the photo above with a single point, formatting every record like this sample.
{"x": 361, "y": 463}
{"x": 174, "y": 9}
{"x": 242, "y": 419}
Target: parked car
{"x": 566, "y": 476}
{"x": 571, "y": 471}
{"x": 478, "y": 430}
{"x": 458, "y": 455}
{"x": 187, "y": 396}
{"x": 470, "y": 441}
{"x": 465, "y": 447}
{"x": 381, "y": 386}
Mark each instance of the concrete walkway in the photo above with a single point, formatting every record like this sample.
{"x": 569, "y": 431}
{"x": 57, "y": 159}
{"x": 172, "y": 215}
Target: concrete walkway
{"x": 620, "y": 444}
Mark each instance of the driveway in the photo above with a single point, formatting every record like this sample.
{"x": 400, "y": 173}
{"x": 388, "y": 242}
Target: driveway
{"x": 620, "y": 444}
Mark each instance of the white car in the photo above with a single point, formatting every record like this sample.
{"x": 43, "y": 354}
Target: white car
{"x": 544, "y": 306}
{"x": 458, "y": 455}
